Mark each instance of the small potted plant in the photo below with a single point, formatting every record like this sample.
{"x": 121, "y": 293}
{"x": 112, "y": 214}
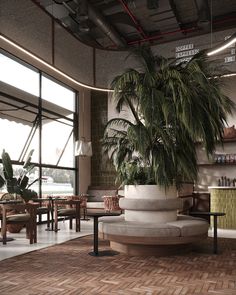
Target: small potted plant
{"x": 17, "y": 186}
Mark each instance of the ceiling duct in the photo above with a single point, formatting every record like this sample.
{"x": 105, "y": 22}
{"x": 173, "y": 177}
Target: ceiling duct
{"x": 82, "y": 10}
{"x": 81, "y": 15}
{"x": 98, "y": 19}
{"x": 204, "y": 15}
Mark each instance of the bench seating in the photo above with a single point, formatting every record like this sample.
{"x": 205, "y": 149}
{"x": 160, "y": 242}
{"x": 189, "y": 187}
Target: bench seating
{"x": 157, "y": 237}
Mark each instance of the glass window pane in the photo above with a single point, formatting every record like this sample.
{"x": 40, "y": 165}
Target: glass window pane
{"x": 18, "y": 75}
{"x": 13, "y": 138}
{"x": 57, "y": 141}
{"x": 67, "y": 159}
{"x": 57, "y": 182}
{"x": 17, "y": 169}
{"x": 18, "y": 127}
{"x": 33, "y": 176}
{"x": 57, "y": 94}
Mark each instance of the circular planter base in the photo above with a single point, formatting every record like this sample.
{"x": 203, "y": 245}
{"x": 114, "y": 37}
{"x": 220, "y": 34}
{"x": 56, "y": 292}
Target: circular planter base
{"x": 150, "y": 250}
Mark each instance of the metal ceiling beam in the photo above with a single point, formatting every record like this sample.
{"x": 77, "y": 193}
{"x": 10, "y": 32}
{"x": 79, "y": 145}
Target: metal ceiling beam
{"x": 135, "y": 21}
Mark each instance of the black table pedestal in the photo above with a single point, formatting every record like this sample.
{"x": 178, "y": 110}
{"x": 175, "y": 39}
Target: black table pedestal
{"x": 215, "y": 216}
{"x": 95, "y": 238}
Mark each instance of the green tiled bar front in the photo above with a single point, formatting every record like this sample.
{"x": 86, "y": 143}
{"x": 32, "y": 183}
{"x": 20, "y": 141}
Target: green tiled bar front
{"x": 223, "y": 199}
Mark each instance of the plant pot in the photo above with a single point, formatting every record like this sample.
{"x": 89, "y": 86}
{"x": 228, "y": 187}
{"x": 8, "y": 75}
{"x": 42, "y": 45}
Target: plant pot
{"x": 14, "y": 228}
{"x": 146, "y": 193}
{"x": 150, "y": 192}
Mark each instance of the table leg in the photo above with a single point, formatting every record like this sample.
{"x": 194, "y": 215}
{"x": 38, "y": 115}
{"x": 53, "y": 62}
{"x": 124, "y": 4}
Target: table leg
{"x": 95, "y": 242}
{"x": 95, "y": 236}
{"x": 51, "y": 202}
{"x": 52, "y": 225}
{"x": 215, "y": 246}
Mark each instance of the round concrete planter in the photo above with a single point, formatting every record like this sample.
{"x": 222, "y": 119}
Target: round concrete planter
{"x": 146, "y": 192}
{"x": 149, "y": 192}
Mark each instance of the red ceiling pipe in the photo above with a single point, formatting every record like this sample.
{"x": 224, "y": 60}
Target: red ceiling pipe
{"x": 158, "y": 36}
{"x": 135, "y": 21}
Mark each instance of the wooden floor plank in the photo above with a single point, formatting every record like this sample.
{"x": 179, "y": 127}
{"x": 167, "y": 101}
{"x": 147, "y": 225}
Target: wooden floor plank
{"x": 68, "y": 269}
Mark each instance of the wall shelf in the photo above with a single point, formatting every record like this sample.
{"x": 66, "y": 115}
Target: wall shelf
{"x": 216, "y": 164}
{"x": 233, "y": 140}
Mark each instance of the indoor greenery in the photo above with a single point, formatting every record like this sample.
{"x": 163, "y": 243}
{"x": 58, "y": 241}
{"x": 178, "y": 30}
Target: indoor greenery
{"x": 172, "y": 105}
{"x": 17, "y": 185}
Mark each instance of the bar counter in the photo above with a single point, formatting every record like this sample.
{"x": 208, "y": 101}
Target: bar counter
{"x": 223, "y": 199}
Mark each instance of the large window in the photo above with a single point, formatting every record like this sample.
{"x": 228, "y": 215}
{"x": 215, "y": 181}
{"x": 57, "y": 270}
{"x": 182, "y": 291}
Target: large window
{"x": 58, "y": 94}
{"x": 19, "y": 75}
{"x": 44, "y": 123}
{"x": 57, "y": 182}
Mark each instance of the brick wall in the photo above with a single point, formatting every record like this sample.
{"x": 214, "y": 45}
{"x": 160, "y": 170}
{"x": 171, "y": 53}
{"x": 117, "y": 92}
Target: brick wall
{"x": 102, "y": 170}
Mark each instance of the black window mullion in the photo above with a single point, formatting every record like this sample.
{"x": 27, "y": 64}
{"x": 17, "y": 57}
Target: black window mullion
{"x": 40, "y": 133}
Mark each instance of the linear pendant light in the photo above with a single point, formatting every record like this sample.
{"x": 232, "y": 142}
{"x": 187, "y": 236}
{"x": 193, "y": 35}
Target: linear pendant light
{"x": 88, "y": 86}
{"x": 223, "y": 46}
{"x": 55, "y": 70}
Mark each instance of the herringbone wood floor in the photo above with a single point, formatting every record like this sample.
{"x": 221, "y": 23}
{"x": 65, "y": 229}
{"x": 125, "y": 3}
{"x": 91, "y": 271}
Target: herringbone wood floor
{"x": 68, "y": 269}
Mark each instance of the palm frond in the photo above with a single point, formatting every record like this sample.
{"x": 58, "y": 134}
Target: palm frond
{"x": 173, "y": 105}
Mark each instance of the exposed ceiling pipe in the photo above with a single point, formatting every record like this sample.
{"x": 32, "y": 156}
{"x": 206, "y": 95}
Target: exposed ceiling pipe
{"x": 97, "y": 18}
{"x": 204, "y": 15}
{"x": 159, "y": 36}
{"x": 135, "y": 21}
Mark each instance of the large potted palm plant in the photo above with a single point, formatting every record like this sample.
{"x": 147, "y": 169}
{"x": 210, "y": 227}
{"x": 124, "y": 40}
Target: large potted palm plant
{"x": 172, "y": 105}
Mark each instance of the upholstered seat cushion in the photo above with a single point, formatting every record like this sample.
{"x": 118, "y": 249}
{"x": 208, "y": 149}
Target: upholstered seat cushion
{"x": 18, "y": 217}
{"x": 42, "y": 210}
{"x": 184, "y": 226}
{"x": 111, "y": 218}
{"x": 66, "y": 211}
{"x": 138, "y": 229}
{"x": 95, "y": 205}
{"x": 190, "y": 227}
{"x": 150, "y": 204}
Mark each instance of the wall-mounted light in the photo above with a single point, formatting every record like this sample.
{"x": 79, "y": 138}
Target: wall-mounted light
{"x": 223, "y": 46}
{"x": 83, "y": 148}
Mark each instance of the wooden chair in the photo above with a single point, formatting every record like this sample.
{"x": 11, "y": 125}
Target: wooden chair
{"x": 27, "y": 217}
{"x": 83, "y": 203}
{"x": 67, "y": 208}
{"x": 44, "y": 208}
